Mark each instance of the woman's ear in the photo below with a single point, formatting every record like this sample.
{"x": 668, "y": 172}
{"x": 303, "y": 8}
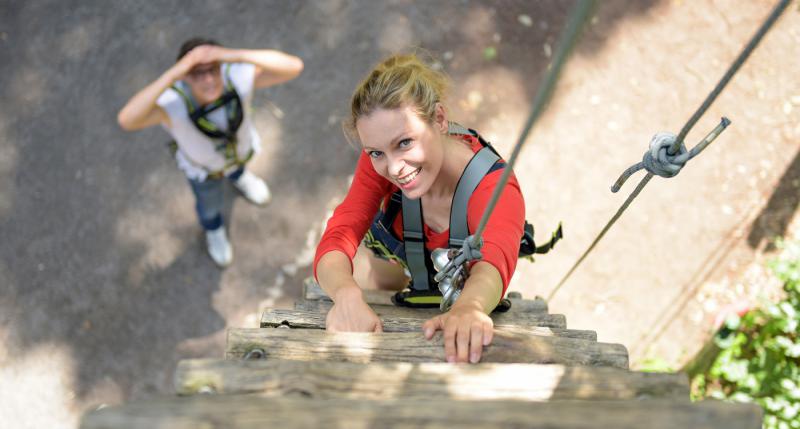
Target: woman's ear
{"x": 440, "y": 121}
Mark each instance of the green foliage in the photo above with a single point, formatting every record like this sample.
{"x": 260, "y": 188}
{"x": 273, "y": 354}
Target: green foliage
{"x": 655, "y": 364}
{"x": 759, "y": 358}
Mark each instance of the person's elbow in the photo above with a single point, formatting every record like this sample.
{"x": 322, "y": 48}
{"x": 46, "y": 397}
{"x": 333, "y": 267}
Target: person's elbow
{"x": 295, "y": 67}
{"x": 125, "y": 122}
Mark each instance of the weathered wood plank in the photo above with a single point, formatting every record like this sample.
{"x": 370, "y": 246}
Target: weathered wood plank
{"x": 324, "y": 305}
{"x": 296, "y": 319}
{"x": 310, "y": 320}
{"x": 506, "y": 347}
{"x": 313, "y": 292}
{"x": 251, "y": 411}
{"x": 381, "y": 381}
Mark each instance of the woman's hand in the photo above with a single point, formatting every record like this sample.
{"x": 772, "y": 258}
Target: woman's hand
{"x": 350, "y": 313}
{"x": 466, "y": 330}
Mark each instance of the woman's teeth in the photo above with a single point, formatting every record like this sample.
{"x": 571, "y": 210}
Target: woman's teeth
{"x": 409, "y": 177}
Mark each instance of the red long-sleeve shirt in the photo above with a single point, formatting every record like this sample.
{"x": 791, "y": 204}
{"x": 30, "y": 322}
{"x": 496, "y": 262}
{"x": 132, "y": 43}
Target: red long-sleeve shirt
{"x": 501, "y": 239}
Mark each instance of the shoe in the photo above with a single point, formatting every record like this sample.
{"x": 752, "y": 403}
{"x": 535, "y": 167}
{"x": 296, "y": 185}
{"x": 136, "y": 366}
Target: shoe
{"x": 218, "y": 246}
{"x": 253, "y": 188}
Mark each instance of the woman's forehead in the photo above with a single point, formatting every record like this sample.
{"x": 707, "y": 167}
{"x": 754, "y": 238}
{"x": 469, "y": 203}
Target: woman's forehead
{"x": 384, "y": 126}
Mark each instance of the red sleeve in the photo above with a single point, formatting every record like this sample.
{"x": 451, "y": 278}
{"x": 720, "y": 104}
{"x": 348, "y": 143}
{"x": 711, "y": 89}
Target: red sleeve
{"x": 352, "y": 218}
{"x": 502, "y": 235}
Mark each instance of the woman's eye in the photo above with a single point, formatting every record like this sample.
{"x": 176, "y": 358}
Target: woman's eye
{"x": 404, "y": 143}
{"x": 375, "y": 154}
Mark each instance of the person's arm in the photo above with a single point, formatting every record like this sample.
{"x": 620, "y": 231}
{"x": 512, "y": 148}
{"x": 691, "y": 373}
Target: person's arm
{"x": 141, "y": 111}
{"x": 272, "y": 67}
{"x": 350, "y": 313}
{"x": 333, "y": 260}
{"x": 467, "y": 326}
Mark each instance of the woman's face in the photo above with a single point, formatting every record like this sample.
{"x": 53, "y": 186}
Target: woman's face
{"x": 404, "y": 148}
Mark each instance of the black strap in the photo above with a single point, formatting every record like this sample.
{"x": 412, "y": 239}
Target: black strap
{"x": 230, "y": 100}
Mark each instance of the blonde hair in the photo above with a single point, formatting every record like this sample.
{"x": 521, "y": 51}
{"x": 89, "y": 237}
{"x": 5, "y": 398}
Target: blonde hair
{"x": 399, "y": 79}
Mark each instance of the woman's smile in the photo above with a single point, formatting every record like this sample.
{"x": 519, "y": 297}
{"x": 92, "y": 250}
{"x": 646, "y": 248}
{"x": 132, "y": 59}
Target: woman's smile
{"x": 408, "y": 178}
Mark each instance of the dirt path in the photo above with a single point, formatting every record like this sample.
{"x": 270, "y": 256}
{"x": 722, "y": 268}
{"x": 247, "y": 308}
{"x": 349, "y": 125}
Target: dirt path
{"x": 104, "y": 284}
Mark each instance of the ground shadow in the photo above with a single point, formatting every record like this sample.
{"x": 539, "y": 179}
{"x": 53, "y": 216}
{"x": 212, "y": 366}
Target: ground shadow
{"x": 774, "y": 218}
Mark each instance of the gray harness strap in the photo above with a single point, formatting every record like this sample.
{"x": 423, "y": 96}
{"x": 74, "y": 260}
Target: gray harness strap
{"x": 413, "y": 232}
{"x": 414, "y": 241}
{"x": 477, "y": 168}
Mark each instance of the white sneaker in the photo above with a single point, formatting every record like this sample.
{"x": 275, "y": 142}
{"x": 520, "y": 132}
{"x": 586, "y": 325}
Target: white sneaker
{"x": 218, "y": 246}
{"x": 253, "y": 188}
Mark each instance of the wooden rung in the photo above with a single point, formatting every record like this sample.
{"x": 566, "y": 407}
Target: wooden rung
{"x": 382, "y": 381}
{"x": 323, "y": 305}
{"x": 273, "y": 318}
{"x": 313, "y": 292}
{"x": 251, "y": 411}
{"x": 296, "y": 319}
{"x": 506, "y": 347}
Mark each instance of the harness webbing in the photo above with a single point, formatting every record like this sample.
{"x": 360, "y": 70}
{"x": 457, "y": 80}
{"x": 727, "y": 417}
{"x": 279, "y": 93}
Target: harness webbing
{"x": 234, "y": 113}
{"x": 477, "y": 168}
{"x": 414, "y": 239}
{"x": 413, "y": 230}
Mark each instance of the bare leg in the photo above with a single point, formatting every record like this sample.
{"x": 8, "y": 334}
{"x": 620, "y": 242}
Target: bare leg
{"x": 371, "y": 272}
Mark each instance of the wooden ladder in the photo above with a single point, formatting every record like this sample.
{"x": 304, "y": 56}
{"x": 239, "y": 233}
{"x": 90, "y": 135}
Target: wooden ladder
{"x": 290, "y": 373}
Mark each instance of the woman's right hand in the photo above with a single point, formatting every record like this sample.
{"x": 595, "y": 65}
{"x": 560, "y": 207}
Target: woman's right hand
{"x": 350, "y": 313}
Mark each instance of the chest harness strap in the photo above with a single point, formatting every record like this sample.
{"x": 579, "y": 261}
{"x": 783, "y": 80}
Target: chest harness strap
{"x": 423, "y": 291}
{"x": 227, "y": 138}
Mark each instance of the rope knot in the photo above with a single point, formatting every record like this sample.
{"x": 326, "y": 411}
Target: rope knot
{"x": 659, "y": 161}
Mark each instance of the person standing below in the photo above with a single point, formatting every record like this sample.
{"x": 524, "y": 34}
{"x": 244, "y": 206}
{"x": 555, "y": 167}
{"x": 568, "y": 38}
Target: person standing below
{"x": 203, "y": 101}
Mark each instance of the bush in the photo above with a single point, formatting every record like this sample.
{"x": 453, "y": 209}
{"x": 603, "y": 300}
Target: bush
{"x": 759, "y": 353}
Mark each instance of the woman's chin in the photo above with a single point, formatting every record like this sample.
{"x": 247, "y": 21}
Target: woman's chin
{"x": 413, "y": 190}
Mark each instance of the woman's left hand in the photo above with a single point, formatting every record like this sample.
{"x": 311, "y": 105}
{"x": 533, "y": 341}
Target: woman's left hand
{"x": 466, "y": 330}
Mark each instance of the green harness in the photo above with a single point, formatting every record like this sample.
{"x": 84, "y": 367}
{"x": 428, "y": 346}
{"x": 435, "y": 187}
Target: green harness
{"x": 234, "y": 113}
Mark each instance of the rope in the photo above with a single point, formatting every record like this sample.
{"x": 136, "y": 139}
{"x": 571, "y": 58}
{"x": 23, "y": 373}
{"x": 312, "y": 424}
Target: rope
{"x": 669, "y": 158}
{"x": 567, "y": 40}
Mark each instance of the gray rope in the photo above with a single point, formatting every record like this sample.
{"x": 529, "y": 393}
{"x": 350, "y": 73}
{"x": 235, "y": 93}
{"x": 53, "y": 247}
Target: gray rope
{"x": 735, "y": 66}
{"x": 567, "y": 40}
{"x": 670, "y": 159}
{"x": 660, "y": 160}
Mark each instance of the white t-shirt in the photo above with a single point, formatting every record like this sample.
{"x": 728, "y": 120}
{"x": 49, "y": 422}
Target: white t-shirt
{"x": 197, "y": 154}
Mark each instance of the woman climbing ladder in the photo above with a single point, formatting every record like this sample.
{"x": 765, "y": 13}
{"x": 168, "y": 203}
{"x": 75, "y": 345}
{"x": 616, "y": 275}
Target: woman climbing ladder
{"x": 412, "y": 152}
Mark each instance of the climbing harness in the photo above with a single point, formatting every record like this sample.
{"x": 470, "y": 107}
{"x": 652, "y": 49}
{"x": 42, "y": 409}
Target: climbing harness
{"x": 452, "y": 266}
{"x": 227, "y": 138}
{"x": 424, "y": 290}
{"x": 667, "y": 154}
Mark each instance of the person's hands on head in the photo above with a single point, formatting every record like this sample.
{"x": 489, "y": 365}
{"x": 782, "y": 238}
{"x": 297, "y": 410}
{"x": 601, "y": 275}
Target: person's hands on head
{"x": 466, "y": 330}
{"x": 203, "y": 55}
{"x": 350, "y": 313}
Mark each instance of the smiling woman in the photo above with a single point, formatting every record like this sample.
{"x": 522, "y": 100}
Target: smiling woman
{"x": 419, "y": 177}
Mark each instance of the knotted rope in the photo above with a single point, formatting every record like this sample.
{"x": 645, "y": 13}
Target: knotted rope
{"x": 676, "y": 144}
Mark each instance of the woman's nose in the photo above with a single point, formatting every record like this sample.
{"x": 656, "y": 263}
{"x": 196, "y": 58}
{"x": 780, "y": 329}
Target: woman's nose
{"x": 396, "y": 165}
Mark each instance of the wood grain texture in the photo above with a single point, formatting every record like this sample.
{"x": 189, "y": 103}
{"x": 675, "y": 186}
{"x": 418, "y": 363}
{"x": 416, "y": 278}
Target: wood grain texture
{"x": 251, "y": 411}
{"x": 295, "y": 319}
{"x": 383, "y": 381}
{"x": 506, "y": 347}
{"x": 312, "y": 320}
